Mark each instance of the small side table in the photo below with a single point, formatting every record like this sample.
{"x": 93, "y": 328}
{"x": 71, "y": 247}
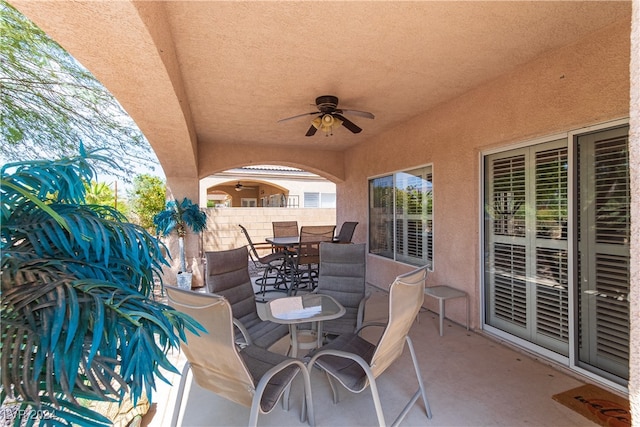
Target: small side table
{"x": 443, "y": 293}
{"x": 307, "y": 308}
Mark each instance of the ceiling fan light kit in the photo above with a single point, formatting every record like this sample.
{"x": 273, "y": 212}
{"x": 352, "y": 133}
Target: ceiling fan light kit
{"x": 326, "y": 123}
{"x": 330, "y": 117}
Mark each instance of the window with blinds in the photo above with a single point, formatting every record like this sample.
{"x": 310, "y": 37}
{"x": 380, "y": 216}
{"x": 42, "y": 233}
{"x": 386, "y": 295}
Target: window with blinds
{"x": 401, "y": 216}
{"x": 603, "y": 246}
{"x": 551, "y": 268}
{"x": 319, "y": 200}
{"x": 526, "y": 244}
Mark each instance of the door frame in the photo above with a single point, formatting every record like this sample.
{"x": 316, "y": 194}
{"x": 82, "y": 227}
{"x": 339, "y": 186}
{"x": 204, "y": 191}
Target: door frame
{"x": 570, "y": 362}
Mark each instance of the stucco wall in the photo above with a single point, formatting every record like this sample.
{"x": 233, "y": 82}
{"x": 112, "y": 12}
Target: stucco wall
{"x": 579, "y": 85}
{"x": 223, "y": 233}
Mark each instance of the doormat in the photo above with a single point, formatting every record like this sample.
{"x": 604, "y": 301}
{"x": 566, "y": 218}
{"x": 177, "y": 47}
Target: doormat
{"x": 598, "y": 405}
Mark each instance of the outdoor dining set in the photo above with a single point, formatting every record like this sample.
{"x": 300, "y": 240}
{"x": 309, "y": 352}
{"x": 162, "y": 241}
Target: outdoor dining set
{"x": 321, "y": 307}
{"x": 293, "y": 255}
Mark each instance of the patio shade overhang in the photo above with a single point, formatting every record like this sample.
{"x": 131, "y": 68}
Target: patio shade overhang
{"x": 207, "y": 81}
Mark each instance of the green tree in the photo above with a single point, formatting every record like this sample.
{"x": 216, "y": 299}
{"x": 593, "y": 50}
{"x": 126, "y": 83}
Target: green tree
{"x": 79, "y": 318}
{"x": 147, "y": 198}
{"x": 49, "y": 103}
{"x": 99, "y": 193}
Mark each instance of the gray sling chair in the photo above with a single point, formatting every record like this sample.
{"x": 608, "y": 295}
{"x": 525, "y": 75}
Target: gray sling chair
{"x": 346, "y": 232}
{"x": 285, "y": 228}
{"x": 272, "y": 266}
{"x": 251, "y": 376}
{"x": 356, "y": 363}
{"x": 342, "y": 276}
{"x": 306, "y": 259}
{"x": 228, "y": 275}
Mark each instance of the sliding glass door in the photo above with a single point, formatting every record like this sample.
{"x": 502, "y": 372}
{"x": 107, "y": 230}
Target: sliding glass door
{"x": 603, "y": 252}
{"x": 526, "y": 242}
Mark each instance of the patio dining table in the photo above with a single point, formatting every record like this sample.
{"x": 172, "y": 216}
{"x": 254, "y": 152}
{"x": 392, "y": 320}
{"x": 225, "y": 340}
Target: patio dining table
{"x": 286, "y": 245}
{"x": 283, "y": 242}
{"x": 290, "y": 245}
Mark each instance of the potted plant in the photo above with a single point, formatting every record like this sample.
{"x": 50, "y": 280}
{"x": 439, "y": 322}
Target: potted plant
{"x": 180, "y": 217}
{"x": 79, "y": 319}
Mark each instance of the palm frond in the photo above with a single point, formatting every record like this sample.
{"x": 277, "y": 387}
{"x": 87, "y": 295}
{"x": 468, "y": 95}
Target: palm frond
{"x": 77, "y": 311}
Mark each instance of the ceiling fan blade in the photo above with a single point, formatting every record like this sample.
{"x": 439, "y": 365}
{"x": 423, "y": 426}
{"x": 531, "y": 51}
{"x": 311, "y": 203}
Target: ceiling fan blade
{"x": 364, "y": 114}
{"x": 348, "y": 124}
{"x": 299, "y": 115}
{"x": 312, "y": 131}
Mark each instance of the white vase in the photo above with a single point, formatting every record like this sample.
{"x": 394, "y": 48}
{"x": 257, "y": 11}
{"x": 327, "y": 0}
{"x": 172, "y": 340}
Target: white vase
{"x": 184, "y": 280}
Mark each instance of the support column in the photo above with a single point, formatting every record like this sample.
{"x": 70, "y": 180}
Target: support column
{"x": 178, "y": 188}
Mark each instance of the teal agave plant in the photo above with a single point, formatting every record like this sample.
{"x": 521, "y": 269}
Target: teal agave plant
{"x": 178, "y": 217}
{"x": 79, "y": 318}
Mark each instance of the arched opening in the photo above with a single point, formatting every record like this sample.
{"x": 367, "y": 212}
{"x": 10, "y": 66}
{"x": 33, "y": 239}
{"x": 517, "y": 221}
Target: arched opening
{"x": 247, "y": 193}
{"x": 267, "y": 186}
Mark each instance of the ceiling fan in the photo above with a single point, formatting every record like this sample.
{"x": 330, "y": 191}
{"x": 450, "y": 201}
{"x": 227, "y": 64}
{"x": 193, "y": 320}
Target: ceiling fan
{"x": 240, "y": 187}
{"x": 329, "y": 116}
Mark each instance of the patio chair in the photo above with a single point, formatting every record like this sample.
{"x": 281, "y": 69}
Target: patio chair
{"x": 252, "y": 376}
{"x": 307, "y": 255}
{"x": 346, "y": 232}
{"x": 342, "y": 276}
{"x": 285, "y": 228}
{"x": 228, "y": 275}
{"x": 272, "y": 266}
{"x": 356, "y": 363}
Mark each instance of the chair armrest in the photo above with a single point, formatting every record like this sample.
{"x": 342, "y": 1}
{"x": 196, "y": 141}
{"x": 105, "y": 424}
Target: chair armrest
{"x": 258, "y": 355}
{"x": 266, "y": 377}
{"x": 264, "y": 245}
{"x": 368, "y": 324}
{"x": 361, "y": 307}
{"x": 344, "y": 354}
{"x": 245, "y": 334}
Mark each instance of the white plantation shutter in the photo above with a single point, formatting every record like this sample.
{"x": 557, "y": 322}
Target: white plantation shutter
{"x": 551, "y": 271}
{"x": 527, "y": 280}
{"x": 527, "y": 286}
{"x": 401, "y": 216}
{"x": 604, "y": 251}
{"x": 510, "y": 293}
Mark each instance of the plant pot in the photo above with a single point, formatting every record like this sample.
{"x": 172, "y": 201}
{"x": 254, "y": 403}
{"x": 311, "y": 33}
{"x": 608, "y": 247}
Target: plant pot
{"x": 184, "y": 280}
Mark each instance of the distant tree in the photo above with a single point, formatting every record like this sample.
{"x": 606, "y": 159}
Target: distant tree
{"x": 49, "y": 103}
{"x": 146, "y": 198}
{"x": 101, "y": 193}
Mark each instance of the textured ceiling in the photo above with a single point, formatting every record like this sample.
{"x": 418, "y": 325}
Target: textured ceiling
{"x": 226, "y": 72}
{"x": 246, "y": 65}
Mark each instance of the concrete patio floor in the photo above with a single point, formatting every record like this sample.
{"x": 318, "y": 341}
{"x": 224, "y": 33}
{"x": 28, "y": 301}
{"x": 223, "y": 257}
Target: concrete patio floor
{"x": 471, "y": 380}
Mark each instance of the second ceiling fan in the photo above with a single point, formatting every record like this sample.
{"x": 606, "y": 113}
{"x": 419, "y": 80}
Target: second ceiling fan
{"x": 329, "y": 116}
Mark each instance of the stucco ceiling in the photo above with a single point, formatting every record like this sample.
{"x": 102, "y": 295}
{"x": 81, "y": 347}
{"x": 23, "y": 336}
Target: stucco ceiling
{"x": 215, "y": 72}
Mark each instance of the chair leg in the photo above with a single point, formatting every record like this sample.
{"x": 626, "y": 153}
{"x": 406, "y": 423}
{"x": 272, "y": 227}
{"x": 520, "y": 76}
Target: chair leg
{"x": 334, "y": 389}
{"x": 376, "y": 399}
{"x": 418, "y": 393}
{"x": 269, "y": 279}
{"x": 178, "y": 404}
{"x": 307, "y": 413}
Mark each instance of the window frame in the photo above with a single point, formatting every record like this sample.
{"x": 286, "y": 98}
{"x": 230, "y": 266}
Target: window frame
{"x": 321, "y": 199}
{"x": 391, "y": 250}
